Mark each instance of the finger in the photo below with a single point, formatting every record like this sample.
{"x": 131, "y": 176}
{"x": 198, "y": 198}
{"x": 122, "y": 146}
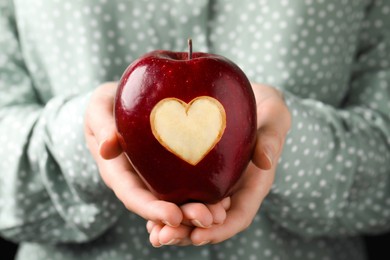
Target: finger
{"x": 99, "y": 113}
{"x": 198, "y": 214}
{"x": 237, "y": 219}
{"x": 122, "y": 179}
{"x": 204, "y": 215}
{"x": 150, "y": 225}
{"x": 184, "y": 242}
{"x": 175, "y": 235}
{"x": 179, "y": 242}
{"x": 268, "y": 146}
{"x": 110, "y": 148}
{"x": 163, "y": 235}
{"x": 273, "y": 125}
{"x": 218, "y": 212}
{"x": 145, "y": 204}
{"x": 154, "y": 236}
{"x": 226, "y": 202}
{"x": 218, "y": 233}
{"x": 245, "y": 203}
{"x": 100, "y": 122}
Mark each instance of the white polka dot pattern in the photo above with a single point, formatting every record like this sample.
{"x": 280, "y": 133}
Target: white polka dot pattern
{"x": 330, "y": 58}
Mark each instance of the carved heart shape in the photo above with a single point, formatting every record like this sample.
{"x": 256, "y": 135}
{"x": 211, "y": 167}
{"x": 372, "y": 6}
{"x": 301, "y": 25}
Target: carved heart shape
{"x": 190, "y": 131}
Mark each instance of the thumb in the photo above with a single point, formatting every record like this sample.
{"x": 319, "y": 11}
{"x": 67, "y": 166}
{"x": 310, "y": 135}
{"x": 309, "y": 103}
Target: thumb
{"x": 100, "y": 121}
{"x": 267, "y": 148}
{"x": 109, "y": 147}
{"x": 273, "y": 121}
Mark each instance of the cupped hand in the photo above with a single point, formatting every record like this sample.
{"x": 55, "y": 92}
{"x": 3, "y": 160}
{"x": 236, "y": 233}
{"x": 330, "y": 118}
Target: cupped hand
{"x": 273, "y": 123}
{"x": 118, "y": 174}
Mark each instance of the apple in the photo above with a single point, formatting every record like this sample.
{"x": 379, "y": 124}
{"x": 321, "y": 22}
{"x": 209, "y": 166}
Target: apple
{"x": 187, "y": 123}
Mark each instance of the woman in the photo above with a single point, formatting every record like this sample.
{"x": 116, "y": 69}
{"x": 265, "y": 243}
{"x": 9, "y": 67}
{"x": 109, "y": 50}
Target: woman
{"x": 329, "y": 61}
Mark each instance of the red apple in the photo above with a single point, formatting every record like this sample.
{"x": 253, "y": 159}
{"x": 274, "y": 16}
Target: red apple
{"x": 187, "y": 123}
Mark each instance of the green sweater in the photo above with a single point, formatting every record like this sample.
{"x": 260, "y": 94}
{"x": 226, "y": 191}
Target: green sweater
{"x": 331, "y": 58}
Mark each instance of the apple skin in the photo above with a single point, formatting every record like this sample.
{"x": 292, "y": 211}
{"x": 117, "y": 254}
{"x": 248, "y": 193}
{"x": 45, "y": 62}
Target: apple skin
{"x": 164, "y": 74}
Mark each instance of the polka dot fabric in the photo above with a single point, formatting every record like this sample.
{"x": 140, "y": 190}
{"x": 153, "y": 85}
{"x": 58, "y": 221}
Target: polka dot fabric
{"x": 330, "y": 58}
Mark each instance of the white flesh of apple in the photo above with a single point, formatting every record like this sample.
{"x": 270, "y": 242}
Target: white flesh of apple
{"x": 190, "y": 131}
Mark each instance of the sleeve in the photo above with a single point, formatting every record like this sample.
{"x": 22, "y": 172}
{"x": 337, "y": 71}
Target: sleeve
{"x": 334, "y": 174}
{"x": 50, "y": 189}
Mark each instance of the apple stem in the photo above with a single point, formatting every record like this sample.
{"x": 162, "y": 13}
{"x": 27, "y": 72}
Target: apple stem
{"x": 189, "y": 48}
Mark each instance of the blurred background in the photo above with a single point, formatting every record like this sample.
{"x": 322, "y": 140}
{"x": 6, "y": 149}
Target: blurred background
{"x": 377, "y": 248}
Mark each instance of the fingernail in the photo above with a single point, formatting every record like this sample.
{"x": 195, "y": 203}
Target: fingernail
{"x": 202, "y": 243}
{"x": 102, "y": 143}
{"x": 171, "y": 242}
{"x": 167, "y": 223}
{"x": 199, "y": 224}
{"x": 226, "y": 203}
{"x": 269, "y": 155}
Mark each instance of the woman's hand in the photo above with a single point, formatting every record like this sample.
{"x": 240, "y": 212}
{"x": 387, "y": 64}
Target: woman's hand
{"x": 118, "y": 174}
{"x": 273, "y": 123}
